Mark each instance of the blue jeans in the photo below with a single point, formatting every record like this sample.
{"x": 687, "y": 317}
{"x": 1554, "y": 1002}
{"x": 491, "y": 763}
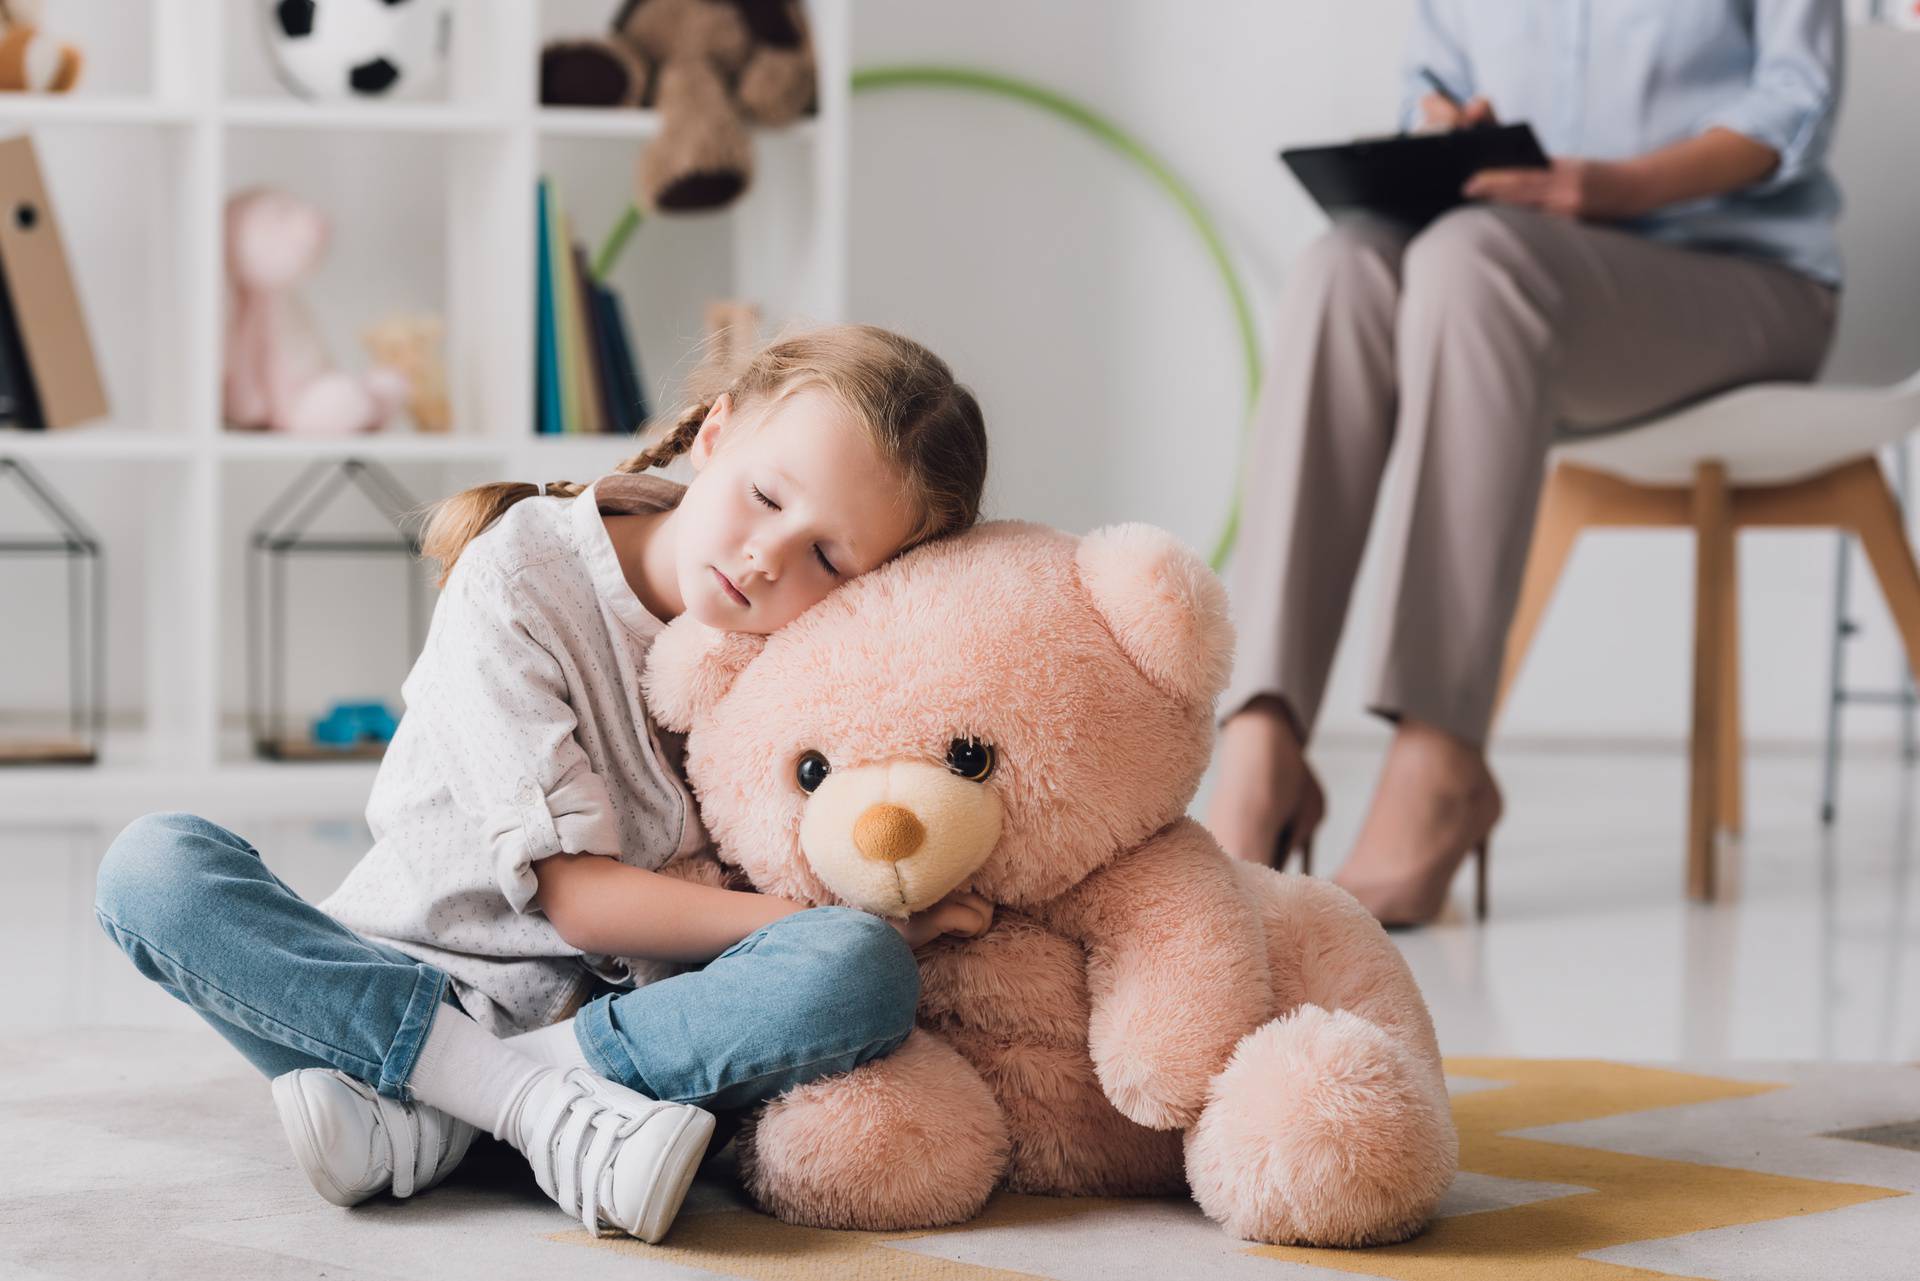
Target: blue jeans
{"x": 192, "y": 904}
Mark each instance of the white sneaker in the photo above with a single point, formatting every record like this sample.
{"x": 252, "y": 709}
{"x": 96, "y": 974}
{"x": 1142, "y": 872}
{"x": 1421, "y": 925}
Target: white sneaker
{"x": 353, "y": 1142}
{"x": 611, "y": 1156}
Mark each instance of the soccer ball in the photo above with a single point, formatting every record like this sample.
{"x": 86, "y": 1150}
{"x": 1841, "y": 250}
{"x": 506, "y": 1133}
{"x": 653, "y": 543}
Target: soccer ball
{"x": 359, "y": 48}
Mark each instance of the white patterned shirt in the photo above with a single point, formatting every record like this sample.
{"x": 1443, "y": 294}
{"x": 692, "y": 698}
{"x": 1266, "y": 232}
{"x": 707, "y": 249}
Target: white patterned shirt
{"x": 525, "y": 736}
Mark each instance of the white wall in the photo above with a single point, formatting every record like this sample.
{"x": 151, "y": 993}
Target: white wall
{"x": 1070, "y": 294}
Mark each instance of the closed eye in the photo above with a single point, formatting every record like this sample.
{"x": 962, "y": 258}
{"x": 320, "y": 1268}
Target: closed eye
{"x": 763, "y": 498}
{"x": 824, "y": 561}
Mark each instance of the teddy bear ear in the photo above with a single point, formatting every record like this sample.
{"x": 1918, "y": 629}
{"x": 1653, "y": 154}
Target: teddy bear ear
{"x": 691, "y": 667}
{"x": 1164, "y": 606}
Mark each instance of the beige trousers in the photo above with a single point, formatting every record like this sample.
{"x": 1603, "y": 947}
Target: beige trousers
{"x": 1460, "y": 351}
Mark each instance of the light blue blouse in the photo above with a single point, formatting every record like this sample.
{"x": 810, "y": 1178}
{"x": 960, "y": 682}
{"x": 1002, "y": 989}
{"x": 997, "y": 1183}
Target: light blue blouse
{"x": 1608, "y": 79}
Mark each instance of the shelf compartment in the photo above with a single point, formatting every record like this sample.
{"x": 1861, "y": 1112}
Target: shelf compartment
{"x": 132, "y": 509}
{"x": 480, "y": 36}
{"x": 352, "y": 621}
{"x": 126, "y": 203}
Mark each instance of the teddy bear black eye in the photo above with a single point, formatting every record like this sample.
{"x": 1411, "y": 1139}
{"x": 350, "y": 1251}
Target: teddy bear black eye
{"x": 970, "y": 758}
{"x": 812, "y": 770}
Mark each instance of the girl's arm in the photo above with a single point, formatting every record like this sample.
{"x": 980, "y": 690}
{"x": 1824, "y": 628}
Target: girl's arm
{"x": 608, "y": 908}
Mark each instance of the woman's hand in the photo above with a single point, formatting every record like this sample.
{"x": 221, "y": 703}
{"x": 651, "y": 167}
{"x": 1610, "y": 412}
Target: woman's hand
{"x": 962, "y": 913}
{"x": 1437, "y": 114}
{"x": 1600, "y": 190}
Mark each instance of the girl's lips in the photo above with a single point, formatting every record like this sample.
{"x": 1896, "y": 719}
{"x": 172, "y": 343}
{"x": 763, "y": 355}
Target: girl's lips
{"x": 728, "y": 584}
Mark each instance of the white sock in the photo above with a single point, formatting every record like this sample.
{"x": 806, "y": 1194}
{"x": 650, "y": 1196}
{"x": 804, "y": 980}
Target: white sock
{"x": 556, "y": 1044}
{"x": 463, "y": 1069}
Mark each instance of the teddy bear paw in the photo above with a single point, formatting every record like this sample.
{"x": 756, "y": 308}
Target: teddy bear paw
{"x": 913, "y": 1140}
{"x": 1322, "y": 1130}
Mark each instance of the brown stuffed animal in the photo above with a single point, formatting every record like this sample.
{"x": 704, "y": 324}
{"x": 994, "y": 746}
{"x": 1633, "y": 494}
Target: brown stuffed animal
{"x": 592, "y": 72}
{"x": 31, "y": 60}
{"x": 722, "y": 63}
{"x": 410, "y": 344}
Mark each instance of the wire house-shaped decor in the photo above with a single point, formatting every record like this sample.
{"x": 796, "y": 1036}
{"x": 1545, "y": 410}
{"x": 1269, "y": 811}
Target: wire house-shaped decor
{"x": 86, "y": 624}
{"x": 285, "y": 532}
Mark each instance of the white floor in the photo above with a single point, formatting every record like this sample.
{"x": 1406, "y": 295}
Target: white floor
{"x": 1592, "y": 949}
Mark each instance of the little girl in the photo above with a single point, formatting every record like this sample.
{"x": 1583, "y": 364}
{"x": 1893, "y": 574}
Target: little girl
{"x": 486, "y": 964}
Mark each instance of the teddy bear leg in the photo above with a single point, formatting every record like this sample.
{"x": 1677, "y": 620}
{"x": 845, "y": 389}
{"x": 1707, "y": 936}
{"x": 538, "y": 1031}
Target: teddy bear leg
{"x": 911, "y": 1140}
{"x": 1067, "y": 1139}
{"x": 1321, "y": 1131}
{"x": 1330, "y": 1125}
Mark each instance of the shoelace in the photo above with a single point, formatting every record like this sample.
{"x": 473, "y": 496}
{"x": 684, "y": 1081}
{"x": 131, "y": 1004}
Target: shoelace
{"x": 569, "y": 1167}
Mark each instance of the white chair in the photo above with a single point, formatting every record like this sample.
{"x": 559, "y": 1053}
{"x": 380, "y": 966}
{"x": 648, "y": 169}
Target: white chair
{"x": 1782, "y": 454}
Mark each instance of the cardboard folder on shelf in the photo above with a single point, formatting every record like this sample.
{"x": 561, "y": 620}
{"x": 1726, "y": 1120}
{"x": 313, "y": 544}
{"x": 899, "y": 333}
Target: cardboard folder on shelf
{"x": 45, "y": 306}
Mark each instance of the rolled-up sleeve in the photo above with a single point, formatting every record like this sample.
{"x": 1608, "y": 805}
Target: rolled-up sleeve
{"x": 1791, "y": 103}
{"x": 1433, "y": 44}
{"x": 501, "y": 718}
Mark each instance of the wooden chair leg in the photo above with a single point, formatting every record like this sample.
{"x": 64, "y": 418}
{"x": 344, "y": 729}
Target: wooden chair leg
{"x": 1729, "y": 746}
{"x": 1875, "y": 519}
{"x": 1713, "y": 537}
{"x": 1563, "y": 513}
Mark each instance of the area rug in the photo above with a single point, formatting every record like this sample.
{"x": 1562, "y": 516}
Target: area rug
{"x": 156, "y": 1154}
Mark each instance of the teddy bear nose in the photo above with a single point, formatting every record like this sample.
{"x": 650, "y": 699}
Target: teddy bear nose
{"x": 888, "y": 833}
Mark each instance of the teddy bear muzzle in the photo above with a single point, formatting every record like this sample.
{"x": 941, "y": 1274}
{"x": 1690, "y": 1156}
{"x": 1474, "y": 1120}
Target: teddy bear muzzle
{"x": 896, "y": 837}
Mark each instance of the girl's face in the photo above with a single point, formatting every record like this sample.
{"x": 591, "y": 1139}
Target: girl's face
{"x": 780, "y": 515}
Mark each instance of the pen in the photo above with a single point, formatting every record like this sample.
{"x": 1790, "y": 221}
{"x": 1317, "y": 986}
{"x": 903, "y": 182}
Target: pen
{"x": 1426, "y": 74}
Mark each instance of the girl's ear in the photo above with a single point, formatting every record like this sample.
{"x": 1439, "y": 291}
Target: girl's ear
{"x": 707, "y": 439}
{"x": 1164, "y": 606}
{"x": 690, "y": 669}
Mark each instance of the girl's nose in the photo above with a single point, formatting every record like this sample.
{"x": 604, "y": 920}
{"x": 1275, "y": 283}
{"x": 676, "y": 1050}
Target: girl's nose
{"x": 766, "y": 559}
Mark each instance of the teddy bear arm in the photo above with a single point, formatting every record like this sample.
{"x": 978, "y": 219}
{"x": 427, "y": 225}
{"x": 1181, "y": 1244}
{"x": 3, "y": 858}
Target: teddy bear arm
{"x": 701, "y": 868}
{"x": 1326, "y": 950}
{"x": 1176, "y": 972}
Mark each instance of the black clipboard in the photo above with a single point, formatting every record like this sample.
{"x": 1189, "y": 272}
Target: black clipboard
{"x": 1411, "y": 178}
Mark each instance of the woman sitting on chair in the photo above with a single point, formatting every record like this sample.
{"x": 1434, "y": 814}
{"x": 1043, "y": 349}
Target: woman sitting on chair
{"x": 1681, "y": 242}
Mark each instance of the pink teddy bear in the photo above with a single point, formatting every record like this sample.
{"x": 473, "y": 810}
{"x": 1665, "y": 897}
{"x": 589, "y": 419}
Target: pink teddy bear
{"x": 1026, "y": 714}
{"x": 278, "y": 374}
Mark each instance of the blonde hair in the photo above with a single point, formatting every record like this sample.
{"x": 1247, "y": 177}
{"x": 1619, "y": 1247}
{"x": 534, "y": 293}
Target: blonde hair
{"x": 923, "y": 424}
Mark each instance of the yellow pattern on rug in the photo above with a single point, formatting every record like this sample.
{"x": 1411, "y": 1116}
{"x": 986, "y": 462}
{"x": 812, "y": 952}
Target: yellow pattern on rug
{"x": 741, "y": 1243}
{"x": 1633, "y": 1198}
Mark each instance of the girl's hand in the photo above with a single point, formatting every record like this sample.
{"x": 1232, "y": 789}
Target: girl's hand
{"x": 1570, "y": 187}
{"x": 962, "y": 913}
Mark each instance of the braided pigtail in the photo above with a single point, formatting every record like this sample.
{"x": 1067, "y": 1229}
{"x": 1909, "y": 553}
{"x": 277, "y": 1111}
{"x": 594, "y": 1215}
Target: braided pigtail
{"x": 673, "y": 444}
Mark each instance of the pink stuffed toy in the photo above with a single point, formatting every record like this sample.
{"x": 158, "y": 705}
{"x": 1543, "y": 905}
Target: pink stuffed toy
{"x": 278, "y": 374}
{"x": 1027, "y": 714}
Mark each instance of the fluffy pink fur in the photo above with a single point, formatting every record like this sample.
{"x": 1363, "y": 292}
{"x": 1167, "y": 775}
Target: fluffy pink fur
{"x": 911, "y": 1140}
{"x": 1141, "y": 1001}
{"x": 1167, "y": 610}
{"x": 1321, "y": 1131}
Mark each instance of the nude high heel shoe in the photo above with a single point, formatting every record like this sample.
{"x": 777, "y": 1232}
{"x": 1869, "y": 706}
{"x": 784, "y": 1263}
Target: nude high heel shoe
{"x": 1306, "y": 820}
{"x": 1403, "y": 906}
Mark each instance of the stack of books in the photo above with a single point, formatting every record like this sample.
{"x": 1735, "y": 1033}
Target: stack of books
{"x": 587, "y": 378}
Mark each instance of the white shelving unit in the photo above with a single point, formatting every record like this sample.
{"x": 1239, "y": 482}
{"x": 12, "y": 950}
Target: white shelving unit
{"x": 180, "y": 111}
